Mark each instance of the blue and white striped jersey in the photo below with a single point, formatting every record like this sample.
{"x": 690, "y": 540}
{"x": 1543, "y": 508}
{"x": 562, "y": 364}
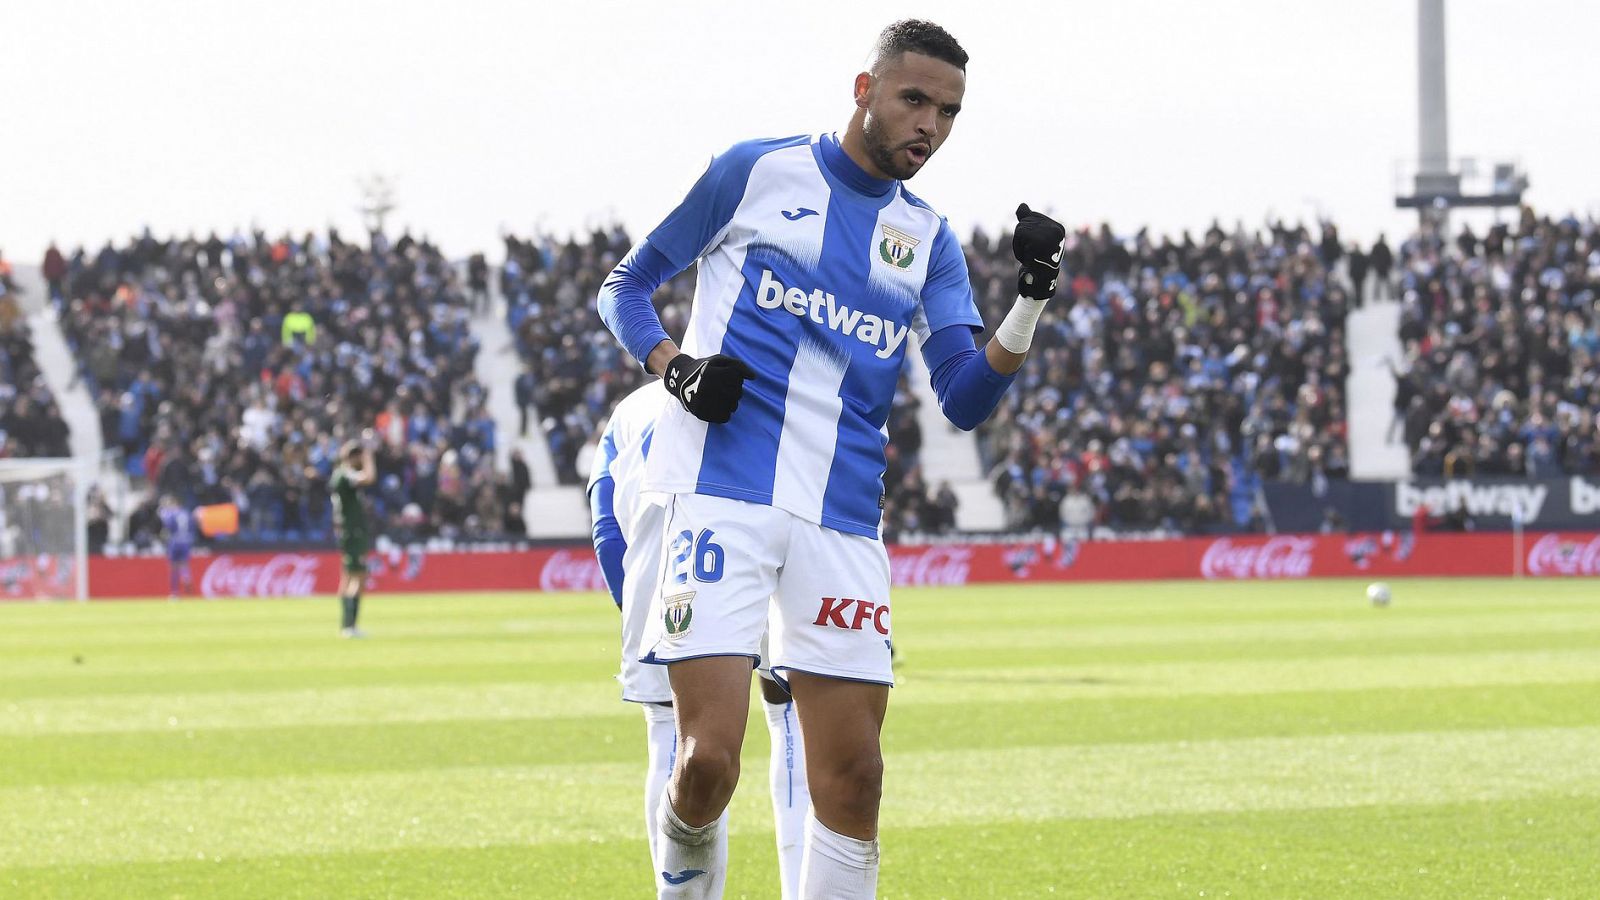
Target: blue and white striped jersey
{"x": 624, "y": 445}
{"x": 814, "y": 274}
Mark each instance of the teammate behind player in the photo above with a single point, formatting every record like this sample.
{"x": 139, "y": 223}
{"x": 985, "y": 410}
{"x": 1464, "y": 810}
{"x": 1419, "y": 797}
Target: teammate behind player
{"x": 178, "y": 523}
{"x": 356, "y": 470}
{"x": 627, "y": 538}
{"x": 814, "y": 265}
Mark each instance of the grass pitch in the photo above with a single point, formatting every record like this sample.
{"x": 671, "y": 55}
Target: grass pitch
{"x": 1150, "y": 740}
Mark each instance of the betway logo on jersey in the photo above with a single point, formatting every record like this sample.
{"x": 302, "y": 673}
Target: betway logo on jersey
{"x": 824, "y": 309}
{"x": 1477, "y": 499}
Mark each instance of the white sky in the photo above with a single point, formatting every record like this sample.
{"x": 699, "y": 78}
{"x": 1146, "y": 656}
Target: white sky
{"x": 194, "y": 115}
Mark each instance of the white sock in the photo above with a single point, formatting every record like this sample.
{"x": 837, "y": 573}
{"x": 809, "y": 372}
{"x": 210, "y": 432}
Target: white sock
{"x": 791, "y": 798}
{"x": 837, "y": 867}
{"x": 693, "y": 862}
{"x": 661, "y": 743}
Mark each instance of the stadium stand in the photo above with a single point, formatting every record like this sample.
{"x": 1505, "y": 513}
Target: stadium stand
{"x": 30, "y": 422}
{"x": 232, "y": 370}
{"x": 1170, "y": 378}
{"x": 1501, "y": 336}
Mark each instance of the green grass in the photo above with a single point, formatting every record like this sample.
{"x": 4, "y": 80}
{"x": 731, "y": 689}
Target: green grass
{"x": 1148, "y": 740}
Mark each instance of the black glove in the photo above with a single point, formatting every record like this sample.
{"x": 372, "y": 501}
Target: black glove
{"x": 1037, "y": 244}
{"x": 710, "y": 388}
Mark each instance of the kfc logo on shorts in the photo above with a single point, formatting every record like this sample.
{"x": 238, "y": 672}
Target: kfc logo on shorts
{"x": 853, "y": 615}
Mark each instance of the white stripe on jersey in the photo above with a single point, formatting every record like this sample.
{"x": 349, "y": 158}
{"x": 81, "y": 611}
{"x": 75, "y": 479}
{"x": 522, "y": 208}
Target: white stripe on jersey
{"x": 810, "y": 422}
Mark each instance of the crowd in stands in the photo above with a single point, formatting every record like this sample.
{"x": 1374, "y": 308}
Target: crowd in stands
{"x": 30, "y": 422}
{"x": 231, "y": 370}
{"x": 1501, "y": 335}
{"x": 575, "y": 371}
{"x": 1169, "y": 377}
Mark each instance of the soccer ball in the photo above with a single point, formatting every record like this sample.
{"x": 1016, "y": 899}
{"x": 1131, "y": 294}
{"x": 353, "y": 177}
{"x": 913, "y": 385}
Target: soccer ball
{"x": 1378, "y": 593}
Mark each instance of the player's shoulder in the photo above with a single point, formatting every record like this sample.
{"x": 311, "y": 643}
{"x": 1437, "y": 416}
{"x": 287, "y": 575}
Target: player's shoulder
{"x": 743, "y": 156}
{"x": 922, "y": 206}
{"x": 944, "y": 237}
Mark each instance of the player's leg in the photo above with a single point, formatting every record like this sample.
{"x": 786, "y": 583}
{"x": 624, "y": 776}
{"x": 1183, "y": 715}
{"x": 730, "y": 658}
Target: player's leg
{"x": 661, "y": 746}
{"x": 177, "y": 570}
{"x": 842, "y": 721}
{"x": 831, "y": 641}
{"x": 347, "y": 609}
{"x": 791, "y": 797}
{"x": 708, "y": 613}
{"x": 711, "y": 697}
{"x": 354, "y": 553}
{"x": 643, "y": 684}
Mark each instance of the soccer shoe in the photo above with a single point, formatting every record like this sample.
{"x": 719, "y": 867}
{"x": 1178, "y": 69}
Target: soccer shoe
{"x": 352, "y": 633}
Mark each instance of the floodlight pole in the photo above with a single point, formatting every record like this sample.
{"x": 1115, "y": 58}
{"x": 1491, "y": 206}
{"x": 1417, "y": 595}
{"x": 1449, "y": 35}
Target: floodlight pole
{"x": 1433, "y": 104}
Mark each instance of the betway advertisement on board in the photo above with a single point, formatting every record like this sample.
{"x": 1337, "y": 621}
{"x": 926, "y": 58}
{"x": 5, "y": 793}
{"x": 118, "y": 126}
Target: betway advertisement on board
{"x": 1493, "y": 502}
{"x": 1394, "y": 554}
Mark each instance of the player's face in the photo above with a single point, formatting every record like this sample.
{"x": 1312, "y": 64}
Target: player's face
{"x": 911, "y": 106}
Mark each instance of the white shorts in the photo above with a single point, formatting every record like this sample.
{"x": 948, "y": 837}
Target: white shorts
{"x": 729, "y": 569}
{"x": 641, "y": 564}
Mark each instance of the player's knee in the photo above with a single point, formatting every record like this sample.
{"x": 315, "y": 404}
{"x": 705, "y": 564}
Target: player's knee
{"x": 707, "y": 773}
{"x": 853, "y": 785}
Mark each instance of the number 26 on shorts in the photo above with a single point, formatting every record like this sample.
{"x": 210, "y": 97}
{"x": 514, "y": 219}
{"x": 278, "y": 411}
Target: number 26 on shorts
{"x": 696, "y": 554}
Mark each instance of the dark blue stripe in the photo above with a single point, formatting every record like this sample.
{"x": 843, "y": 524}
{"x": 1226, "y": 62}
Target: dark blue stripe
{"x": 788, "y": 744}
{"x": 743, "y": 454}
{"x": 855, "y": 480}
{"x": 784, "y": 682}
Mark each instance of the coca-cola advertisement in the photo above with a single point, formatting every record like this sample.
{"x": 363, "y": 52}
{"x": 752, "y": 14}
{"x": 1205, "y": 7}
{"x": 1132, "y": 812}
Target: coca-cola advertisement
{"x": 316, "y": 573}
{"x": 1278, "y": 557}
{"x": 1557, "y": 554}
{"x": 284, "y": 575}
{"x": 1394, "y": 554}
{"x": 943, "y": 564}
{"x": 571, "y": 570}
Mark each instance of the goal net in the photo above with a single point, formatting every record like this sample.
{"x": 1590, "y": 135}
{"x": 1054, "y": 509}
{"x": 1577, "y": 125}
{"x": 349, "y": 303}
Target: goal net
{"x": 43, "y": 537}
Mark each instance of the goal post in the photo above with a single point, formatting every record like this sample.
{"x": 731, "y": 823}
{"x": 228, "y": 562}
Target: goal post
{"x": 44, "y": 529}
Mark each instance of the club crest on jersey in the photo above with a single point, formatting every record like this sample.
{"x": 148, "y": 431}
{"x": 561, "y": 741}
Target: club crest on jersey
{"x": 678, "y": 613}
{"x": 897, "y": 248}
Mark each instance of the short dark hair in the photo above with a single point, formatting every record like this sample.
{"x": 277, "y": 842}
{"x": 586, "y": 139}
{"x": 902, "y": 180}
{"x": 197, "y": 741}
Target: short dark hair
{"x": 918, "y": 36}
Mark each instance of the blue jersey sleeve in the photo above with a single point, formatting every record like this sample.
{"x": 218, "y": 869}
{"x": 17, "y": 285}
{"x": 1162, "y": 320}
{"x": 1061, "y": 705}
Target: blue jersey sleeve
{"x": 686, "y": 234}
{"x": 967, "y": 386}
{"x": 947, "y": 292}
{"x": 609, "y": 546}
{"x": 624, "y": 303}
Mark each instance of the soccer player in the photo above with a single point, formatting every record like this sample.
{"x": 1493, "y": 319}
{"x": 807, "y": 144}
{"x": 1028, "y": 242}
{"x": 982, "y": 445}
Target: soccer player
{"x": 356, "y": 470}
{"x": 814, "y": 266}
{"x": 179, "y": 525}
{"x": 627, "y": 538}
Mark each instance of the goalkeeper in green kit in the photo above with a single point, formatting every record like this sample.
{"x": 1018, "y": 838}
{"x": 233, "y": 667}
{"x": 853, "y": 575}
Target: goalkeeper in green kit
{"x": 356, "y": 470}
